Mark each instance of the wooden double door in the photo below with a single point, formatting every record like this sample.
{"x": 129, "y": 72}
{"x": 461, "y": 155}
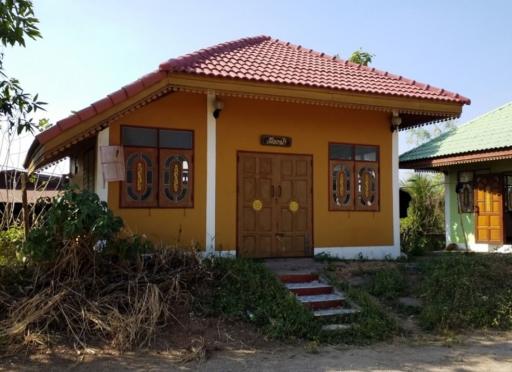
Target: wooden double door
{"x": 274, "y": 205}
{"x": 489, "y": 209}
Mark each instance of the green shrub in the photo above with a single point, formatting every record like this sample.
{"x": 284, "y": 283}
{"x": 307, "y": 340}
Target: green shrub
{"x": 73, "y": 216}
{"x": 11, "y": 241}
{"x": 371, "y": 324}
{"x": 388, "y": 283}
{"x": 413, "y": 240}
{"x": 467, "y": 291}
{"x": 247, "y": 290}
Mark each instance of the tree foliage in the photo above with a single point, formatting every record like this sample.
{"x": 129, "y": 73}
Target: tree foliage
{"x": 418, "y": 136}
{"x": 361, "y": 57}
{"x": 17, "y": 24}
{"x": 425, "y": 216}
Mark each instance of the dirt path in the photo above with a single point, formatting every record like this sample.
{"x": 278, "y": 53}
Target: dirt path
{"x": 475, "y": 353}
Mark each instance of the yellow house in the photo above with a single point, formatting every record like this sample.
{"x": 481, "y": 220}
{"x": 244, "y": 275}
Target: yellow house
{"x": 254, "y": 147}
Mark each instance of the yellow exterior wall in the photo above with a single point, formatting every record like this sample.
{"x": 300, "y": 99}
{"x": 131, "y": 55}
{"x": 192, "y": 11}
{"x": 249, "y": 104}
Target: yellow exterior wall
{"x": 311, "y": 127}
{"x": 239, "y": 127}
{"x": 183, "y": 226}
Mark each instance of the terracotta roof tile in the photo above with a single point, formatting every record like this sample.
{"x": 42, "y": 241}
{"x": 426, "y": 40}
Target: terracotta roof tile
{"x": 86, "y": 113}
{"x": 134, "y": 88}
{"x": 49, "y": 133}
{"x": 103, "y": 104}
{"x": 118, "y": 96}
{"x": 68, "y": 122}
{"x": 153, "y": 78}
{"x": 263, "y": 59}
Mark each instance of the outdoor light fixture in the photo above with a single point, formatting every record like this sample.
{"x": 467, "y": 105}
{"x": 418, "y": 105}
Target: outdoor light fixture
{"x": 396, "y": 120}
{"x": 218, "y": 106}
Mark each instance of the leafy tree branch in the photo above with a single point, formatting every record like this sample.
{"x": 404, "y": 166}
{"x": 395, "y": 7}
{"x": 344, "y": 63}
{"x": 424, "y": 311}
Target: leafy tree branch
{"x": 17, "y": 24}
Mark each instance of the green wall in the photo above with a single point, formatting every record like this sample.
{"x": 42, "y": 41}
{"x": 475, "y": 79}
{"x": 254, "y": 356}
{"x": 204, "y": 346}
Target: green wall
{"x": 459, "y": 221}
{"x": 468, "y": 219}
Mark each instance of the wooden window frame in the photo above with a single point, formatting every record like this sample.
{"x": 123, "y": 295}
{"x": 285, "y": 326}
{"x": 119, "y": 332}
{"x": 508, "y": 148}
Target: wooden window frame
{"x": 152, "y": 202}
{"x": 359, "y": 165}
{"x": 507, "y": 207}
{"x": 332, "y": 205}
{"x": 332, "y": 162}
{"x": 188, "y": 200}
{"x": 472, "y": 196}
{"x": 189, "y": 204}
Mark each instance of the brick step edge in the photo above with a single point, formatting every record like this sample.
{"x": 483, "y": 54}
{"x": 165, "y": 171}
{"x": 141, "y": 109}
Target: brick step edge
{"x": 311, "y": 291}
{"x": 324, "y": 304}
{"x": 335, "y": 312}
{"x": 298, "y": 278}
{"x": 336, "y": 327}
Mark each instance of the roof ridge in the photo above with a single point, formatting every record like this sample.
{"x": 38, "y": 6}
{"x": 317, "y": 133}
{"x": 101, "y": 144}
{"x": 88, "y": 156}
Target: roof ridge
{"x": 176, "y": 63}
{"x": 346, "y": 62}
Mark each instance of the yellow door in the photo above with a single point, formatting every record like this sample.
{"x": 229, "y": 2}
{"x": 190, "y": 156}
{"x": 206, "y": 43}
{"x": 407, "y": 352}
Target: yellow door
{"x": 489, "y": 209}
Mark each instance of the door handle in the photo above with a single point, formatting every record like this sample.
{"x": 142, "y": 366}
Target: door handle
{"x": 279, "y": 191}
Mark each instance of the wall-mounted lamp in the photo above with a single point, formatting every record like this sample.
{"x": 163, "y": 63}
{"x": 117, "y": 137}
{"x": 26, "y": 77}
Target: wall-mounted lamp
{"x": 218, "y": 106}
{"x": 396, "y": 120}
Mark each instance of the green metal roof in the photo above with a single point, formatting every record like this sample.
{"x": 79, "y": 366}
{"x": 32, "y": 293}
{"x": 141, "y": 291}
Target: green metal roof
{"x": 490, "y": 131}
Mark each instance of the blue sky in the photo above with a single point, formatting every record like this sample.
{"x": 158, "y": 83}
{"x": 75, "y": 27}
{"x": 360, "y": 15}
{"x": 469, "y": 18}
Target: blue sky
{"x": 91, "y": 47}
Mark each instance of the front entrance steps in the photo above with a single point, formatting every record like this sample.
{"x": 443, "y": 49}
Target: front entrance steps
{"x": 327, "y": 304}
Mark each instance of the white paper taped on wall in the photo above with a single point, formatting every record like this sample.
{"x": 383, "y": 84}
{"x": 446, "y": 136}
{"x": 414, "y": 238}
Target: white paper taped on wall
{"x": 112, "y": 163}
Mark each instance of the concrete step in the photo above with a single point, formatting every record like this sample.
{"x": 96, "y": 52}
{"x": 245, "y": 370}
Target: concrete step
{"x": 334, "y": 311}
{"x": 336, "y": 327}
{"x": 322, "y": 301}
{"x": 298, "y": 278}
{"x": 309, "y": 288}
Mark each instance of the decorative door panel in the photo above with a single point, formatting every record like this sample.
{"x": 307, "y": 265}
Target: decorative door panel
{"x": 139, "y": 188}
{"x": 256, "y": 220}
{"x": 489, "y": 209}
{"x": 274, "y": 205}
{"x": 294, "y": 202}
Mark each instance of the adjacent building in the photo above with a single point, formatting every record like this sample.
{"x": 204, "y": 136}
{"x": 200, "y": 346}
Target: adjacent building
{"x": 476, "y": 159}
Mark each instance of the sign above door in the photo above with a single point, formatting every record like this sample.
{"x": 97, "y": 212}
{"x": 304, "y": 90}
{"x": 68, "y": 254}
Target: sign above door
{"x": 270, "y": 140}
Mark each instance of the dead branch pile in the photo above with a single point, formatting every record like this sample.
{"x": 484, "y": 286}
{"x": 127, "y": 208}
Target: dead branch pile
{"x": 84, "y": 296}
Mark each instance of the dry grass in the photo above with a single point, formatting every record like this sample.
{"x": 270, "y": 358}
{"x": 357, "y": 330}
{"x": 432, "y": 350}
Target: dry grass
{"x": 85, "y": 297}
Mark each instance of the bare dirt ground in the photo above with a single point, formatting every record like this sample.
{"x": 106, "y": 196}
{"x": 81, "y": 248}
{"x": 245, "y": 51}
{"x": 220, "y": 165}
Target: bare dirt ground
{"x": 482, "y": 352}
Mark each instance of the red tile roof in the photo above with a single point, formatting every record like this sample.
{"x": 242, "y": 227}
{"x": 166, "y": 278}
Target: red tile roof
{"x": 268, "y": 60}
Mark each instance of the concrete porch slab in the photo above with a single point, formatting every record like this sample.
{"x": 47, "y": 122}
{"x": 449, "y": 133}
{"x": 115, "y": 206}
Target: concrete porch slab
{"x": 288, "y": 266}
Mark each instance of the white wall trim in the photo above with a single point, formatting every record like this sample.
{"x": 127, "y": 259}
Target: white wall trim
{"x": 395, "y": 185}
{"x": 485, "y": 248}
{"x": 354, "y": 253}
{"x": 225, "y": 254}
{"x": 100, "y": 186}
{"x": 447, "y": 208}
{"x": 211, "y": 171}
